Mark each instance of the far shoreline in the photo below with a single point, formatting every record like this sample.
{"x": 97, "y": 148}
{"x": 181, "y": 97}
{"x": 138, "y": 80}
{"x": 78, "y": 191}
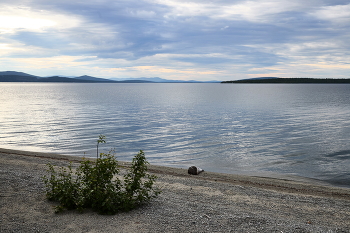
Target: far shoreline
{"x": 302, "y": 186}
{"x": 275, "y": 80}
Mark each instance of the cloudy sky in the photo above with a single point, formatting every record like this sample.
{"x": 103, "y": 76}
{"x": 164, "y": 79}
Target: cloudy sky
{"x": 176, "y": 39}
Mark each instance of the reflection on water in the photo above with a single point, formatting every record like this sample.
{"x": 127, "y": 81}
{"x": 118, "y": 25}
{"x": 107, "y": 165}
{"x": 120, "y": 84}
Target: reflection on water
{"x": 250, "y": 129}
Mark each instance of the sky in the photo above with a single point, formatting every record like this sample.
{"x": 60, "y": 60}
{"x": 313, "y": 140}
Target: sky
{"x": 176, "y": 39}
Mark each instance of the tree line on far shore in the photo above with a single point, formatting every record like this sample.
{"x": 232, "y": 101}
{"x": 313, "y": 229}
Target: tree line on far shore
{"x": 290, "y": 80}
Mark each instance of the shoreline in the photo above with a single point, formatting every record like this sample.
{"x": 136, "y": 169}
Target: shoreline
{"x": 208, "y": 202}
{"x": 278, "y": 184}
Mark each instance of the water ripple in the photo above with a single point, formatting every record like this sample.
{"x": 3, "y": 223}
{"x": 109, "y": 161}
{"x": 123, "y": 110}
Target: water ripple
{"x": 301, "y": 130}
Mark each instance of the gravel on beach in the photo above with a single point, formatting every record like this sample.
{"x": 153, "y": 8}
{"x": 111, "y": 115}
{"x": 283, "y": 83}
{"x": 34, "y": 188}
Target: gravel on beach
{"x": 209, "y": 202}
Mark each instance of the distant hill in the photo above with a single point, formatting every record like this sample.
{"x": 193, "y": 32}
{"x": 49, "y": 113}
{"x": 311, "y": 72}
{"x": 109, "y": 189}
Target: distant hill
{"x": 59, "y": 79}
{"x": 14, "y": 76}
{"x": 261, "y": 78}
{"x": 155, "y": 79}
{"x": 16, "y": 73}
{"x": 17, "y": 78}
{"x": 161, "y": 80}
{"x": 135, "y": 81}
{"x": 289, "y": 80}
{"x": 90, "y": 78}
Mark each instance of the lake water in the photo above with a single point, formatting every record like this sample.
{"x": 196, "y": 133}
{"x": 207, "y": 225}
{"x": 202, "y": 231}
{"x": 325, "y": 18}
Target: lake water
{"x": 253, "y": 129}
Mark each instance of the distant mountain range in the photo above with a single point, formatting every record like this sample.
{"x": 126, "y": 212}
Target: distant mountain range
{"x": 14, "y": 76}
{"x": 289, "y": 80}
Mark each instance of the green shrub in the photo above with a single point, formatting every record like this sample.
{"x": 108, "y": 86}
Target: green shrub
{"x": 95, "y": 185}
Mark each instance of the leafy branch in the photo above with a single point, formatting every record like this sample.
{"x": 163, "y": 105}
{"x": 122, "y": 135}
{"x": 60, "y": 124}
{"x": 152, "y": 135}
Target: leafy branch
{"x": 101, "y": 139}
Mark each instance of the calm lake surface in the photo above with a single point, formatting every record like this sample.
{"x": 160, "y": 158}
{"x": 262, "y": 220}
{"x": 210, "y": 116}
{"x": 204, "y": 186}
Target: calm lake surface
{"x": 253, "y": 129}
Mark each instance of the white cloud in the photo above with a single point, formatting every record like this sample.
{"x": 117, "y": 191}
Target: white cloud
{"x": 9, "y": 24}
{"x": 339, "y": 14}
{"x": 13, "y": 19}
{"x": 185, "y": 39}
{"x": 258, "y": 11}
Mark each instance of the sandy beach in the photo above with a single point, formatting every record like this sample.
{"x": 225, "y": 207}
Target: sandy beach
{"x": 209, "y": 202}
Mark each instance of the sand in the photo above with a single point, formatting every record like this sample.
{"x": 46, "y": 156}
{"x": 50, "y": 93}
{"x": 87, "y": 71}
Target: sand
{"x": 209, "y": 202}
